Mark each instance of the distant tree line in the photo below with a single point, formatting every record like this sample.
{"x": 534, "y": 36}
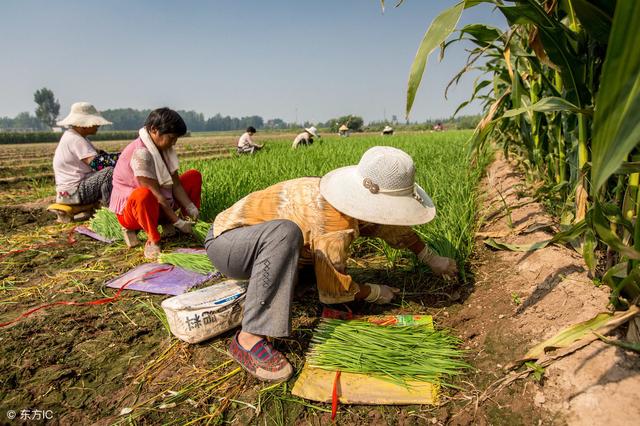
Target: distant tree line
{"x": 131, "y": 119}
{"x": 353, "y": 122}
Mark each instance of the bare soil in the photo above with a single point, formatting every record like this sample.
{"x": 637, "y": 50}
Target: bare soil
{"x": 520, "y": 299}
{"x": 116, "y": 363}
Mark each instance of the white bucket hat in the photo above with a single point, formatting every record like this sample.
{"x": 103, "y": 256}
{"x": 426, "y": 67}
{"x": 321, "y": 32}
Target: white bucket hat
{"x": 313, "y": 131}
{"x": 83, "y": 114}
{"x": 380, "y": 189}
{"x": 387, "y": 129}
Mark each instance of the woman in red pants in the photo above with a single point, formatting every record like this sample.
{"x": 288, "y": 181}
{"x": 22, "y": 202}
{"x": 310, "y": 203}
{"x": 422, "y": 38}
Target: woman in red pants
{"x": 146, "y": 187}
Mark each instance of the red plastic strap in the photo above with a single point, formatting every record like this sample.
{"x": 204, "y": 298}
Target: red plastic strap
{"x": 92, "y": 302}
{"x": 334, "y": 396}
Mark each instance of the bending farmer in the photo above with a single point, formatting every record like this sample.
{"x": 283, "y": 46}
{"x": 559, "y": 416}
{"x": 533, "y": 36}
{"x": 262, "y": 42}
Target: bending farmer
{"x": 83, "y": 174}
{"x": 246, "y": 144}
{"x": 305, "y": 138}
{"x": 146, "y": 187}
{"x": 264, "y": 235}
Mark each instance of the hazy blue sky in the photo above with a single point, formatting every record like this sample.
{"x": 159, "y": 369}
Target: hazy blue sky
{"x": 237, "y": 57}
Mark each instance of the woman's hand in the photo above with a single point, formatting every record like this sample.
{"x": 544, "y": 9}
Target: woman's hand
{"x": 381, "y": 294}
{"x": 192, "y": 211}
{"x": 444, "y": 266}
{"x": 183, "y": 226}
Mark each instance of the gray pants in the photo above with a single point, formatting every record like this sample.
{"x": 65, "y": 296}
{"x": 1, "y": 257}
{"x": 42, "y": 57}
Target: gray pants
{"x": 266, "y": 254}
{"x": 97, "y": 187}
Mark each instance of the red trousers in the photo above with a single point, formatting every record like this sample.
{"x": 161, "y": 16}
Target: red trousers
{"x": 143, "y": 209}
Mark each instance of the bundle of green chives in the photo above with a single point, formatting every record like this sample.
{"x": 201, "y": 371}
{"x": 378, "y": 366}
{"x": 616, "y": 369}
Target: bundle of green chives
{"x": 200, "y": 230}
{"x": 394, "y": 353}
{"x": 105, "y": 223}
{"x": 192, "y": 261}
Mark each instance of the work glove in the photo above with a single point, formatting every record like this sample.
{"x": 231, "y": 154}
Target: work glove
{"x": 381, "y": 294}
{"x": 183, "y": 226}
{"x": 439, "y": 265}
{"x": 192, "y": 211}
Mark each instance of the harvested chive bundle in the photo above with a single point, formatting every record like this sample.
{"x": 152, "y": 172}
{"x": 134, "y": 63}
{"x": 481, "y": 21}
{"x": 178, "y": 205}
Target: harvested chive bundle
{"x": 200, "y": 230}
{"x": 394, "y": 353}
{"x": 192, "y": 261}
{"x": 105, "y": 223}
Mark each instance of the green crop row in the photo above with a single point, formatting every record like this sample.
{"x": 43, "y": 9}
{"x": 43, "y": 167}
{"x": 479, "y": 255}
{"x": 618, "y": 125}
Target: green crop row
{"x": 443, "y": 170}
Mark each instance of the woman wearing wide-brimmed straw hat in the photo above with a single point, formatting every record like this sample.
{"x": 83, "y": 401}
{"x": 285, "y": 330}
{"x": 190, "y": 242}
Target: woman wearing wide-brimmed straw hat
{"x": 311, "y": 220}
{"x": 305, "y": 138}
{"x": 83, "y": 174}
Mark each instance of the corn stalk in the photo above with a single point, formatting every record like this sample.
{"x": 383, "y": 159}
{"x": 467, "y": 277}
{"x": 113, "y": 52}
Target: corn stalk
{"x": 572, "y": 117}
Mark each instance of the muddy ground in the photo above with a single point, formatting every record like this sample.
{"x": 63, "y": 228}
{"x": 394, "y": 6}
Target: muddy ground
{"x": 117, "y": 362}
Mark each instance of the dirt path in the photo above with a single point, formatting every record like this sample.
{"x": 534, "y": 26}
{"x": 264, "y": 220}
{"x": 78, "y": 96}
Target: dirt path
{"x": 520, "y": 299}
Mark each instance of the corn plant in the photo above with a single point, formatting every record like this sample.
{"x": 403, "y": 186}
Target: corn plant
{"x": 561, "y": 92}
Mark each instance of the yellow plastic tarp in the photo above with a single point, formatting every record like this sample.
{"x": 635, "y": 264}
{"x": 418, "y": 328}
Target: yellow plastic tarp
{"x": 317, "y": 384}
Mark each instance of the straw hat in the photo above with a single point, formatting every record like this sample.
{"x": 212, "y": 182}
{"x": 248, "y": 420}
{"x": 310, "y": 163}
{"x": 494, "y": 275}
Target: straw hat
{"x": 313, "y": 131}
{"x": 343, "y": 128}
{"x": 83, "y": 114}
{"x": 380, "y": 189}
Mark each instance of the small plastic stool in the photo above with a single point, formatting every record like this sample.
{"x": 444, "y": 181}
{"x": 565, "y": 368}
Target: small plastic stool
{"x": 67, "y": 213}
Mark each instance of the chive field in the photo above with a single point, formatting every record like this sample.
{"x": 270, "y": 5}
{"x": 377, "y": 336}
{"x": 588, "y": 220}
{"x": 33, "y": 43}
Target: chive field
{"x": 443, "y": 170}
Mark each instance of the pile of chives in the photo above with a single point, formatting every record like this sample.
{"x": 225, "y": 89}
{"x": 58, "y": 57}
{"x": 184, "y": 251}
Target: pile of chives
{"x": 105, "y": 223}
{"x": 200, "y": 230}
{"x": 192, "y": 261}
{"x": 394, "y": 353}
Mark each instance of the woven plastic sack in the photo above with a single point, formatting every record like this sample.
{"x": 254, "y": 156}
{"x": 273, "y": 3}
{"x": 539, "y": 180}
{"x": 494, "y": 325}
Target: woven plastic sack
{"x": 202, "y": 314}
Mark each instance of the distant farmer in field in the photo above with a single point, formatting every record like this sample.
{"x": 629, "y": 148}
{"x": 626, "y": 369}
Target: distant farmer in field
{"x": 305, "y": 138}
{"x": 343, "y": 131}
{"x": 246, "y": 144}
{"x": 314, "y": 220}
{"x": 387, "y": 131}
{"x": 83, "y": 174}
{"x": 146, "y": 187}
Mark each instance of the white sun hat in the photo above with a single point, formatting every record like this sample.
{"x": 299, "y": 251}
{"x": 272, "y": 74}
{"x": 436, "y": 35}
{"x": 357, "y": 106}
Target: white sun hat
{"x": 387, "y": 129}
{"x": 83, "y": 114}
{"x": 313, "y": 131}
{"x": 380, "y": 189}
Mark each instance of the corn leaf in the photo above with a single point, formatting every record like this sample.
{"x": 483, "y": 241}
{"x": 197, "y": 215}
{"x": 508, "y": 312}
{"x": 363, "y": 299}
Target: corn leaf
{"x": 601, "y": 226}
{"x": 572, "y": 334}
{"x": 564, "y": 236}
{"x": 620, "y": 343}
{"x": 628, "y": 167}
{"x": 548, "y": 104}
{"x": 616, "y": 128}
{"x": 441, "y": 28}
{"x": 589, "y": 249}
{"x": 595, "y": 16}
{"x": 557, "y": 42}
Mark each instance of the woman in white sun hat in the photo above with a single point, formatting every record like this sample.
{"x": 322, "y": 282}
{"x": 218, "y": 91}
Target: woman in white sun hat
{"x": 313, "y": 220}
{"x": 305, "y": 138}
{"x": 83, "y": 174}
